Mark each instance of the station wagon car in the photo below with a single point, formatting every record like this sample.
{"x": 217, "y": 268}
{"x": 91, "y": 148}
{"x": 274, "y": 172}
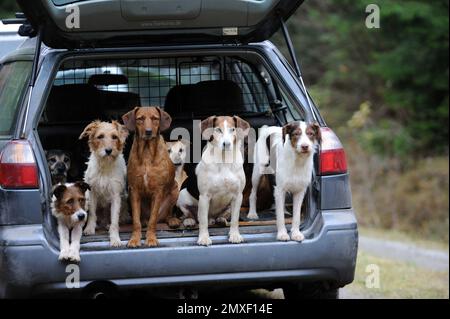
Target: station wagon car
{"x": 162, "y": 52}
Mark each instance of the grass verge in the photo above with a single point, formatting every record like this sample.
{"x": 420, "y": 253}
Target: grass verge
{"x": 398, "y": 281}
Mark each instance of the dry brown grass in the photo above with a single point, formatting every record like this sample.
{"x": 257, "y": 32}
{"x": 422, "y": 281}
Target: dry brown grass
{"x": 386, "y": 195}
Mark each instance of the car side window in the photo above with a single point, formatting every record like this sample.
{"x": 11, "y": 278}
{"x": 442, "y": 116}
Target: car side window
{"x": 13, "y": 81}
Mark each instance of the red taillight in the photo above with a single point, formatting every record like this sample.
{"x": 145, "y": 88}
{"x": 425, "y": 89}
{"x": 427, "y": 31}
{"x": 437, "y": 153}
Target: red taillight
{"x": 332, "y": 154}
{"x": 17, "y": 166}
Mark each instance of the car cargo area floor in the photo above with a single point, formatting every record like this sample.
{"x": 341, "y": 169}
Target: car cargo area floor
{"x": 265, "y": 223}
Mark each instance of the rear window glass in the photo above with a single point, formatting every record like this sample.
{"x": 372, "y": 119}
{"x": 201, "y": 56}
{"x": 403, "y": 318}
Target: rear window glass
{"x": 191, "y": 82}
{"x": 13, "y": 81}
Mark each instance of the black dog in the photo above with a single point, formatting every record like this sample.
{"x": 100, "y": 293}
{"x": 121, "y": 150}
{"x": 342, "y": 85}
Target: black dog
{"x": 59, "y": 164}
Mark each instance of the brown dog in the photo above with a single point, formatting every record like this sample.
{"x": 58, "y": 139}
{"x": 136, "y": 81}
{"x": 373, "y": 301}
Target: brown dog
{"x": 151, "y": 173}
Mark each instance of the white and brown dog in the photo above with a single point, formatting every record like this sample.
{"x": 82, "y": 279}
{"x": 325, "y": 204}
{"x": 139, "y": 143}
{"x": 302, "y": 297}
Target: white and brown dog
{"x": 69, "y": 208}
{"x": 293, "y": 147}
{"x": 106, "y": 174}
{"x": 177, "y": 154}
{"x": 220, "y": 177}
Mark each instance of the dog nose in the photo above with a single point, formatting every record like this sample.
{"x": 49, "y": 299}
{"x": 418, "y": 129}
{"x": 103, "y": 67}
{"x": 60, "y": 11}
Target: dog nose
{"x": 80, "y": 217}
{"x": 61, "y": 170}
{"x": 305, "y": 147}
{"x": 148, "y": 132}
{"x": 108, "y": 151}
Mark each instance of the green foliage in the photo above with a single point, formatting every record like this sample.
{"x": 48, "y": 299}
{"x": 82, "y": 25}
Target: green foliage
{"x": 8, "y": 8}
{"x": 401, "y": 70}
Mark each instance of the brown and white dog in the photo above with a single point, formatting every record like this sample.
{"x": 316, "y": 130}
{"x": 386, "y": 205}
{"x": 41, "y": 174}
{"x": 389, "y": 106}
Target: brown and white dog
{"x": 293, "y": 148}
{"x": 151, "y": 173}
{"x": 69, "y": 208}
{"x": 220, "y": 177}
{"x": 106, "y": 174}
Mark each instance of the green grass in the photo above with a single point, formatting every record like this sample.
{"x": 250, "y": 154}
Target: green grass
{"x": 399, "y": 280}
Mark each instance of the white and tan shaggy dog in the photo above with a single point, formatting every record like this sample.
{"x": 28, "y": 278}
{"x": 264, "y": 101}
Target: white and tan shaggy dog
{"x": 292, "y": 148}
{"x": 106, "y": 174}
{"x": 220, "y": 177}
{"x": 69, "y": 207}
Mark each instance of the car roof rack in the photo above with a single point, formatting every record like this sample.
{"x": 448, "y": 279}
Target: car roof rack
{"x": 26, "y": 29}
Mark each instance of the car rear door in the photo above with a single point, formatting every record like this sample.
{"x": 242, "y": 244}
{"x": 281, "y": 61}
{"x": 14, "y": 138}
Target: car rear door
{"x": 113, "y": 23}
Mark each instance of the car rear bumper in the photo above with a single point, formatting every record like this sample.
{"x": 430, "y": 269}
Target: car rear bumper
{"x": 29, "y": 265}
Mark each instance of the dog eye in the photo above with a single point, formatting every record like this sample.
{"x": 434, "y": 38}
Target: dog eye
{"x": 169, "y": 150}
{"x": 70, "y": 201}
{"x": 114, "y": 137}
{"x": 101, "y": 136}
{"x": 232, "y": 129}
{"x": 52, "y": 160}
{"x": 181, "y": 150}
{"x": 66, "y": 159}
{"x": 218, "y": 130}
{"x": 141, "y": 119}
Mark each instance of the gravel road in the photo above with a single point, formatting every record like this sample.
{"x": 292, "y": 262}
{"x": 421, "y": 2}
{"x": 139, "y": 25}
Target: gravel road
{"x": 423, "y": 257}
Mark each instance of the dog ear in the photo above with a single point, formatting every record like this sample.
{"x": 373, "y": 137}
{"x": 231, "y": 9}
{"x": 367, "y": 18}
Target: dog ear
{"x": 317, "y": 132}
{"x": 207, "y": 127}
{"x": 185, "y": 142}
{"x": 129, "y": 120}
{"x": 83, "y": 186}
{"x": 123, "y": 131}
{"x": 88, "y": 130}
{"x": 59, "y": 190}
{"x": 243, "y": 127}
{"x": 287, "y": 129}
{"x": 169, "y": 144}
{"x": 182, "y": 140}
{"x": 165, "y": 120}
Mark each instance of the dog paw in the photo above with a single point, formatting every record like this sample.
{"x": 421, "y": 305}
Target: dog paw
{"x": 151, "y": 241}
{"x": 134, "y": 243}
{"x": 189, "y": 222}
{"x": 235, "y": 238}
{"x": 74, "y": 255}
{"x": 115, "y": 242}
{"x": 89, "y": 230}
{"x": 283, "y": 236}
{"x": 252, "y": 215}
{"x": 64, "y": 254}
{"x": 174, "y": 223}
{"x": 211, "y": 222}
{"x": 297, "y": 236}
{"x": 204, "y": 240}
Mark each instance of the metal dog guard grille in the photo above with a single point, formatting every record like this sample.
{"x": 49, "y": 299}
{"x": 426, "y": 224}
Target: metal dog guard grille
{"x": 151, "y": 79}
